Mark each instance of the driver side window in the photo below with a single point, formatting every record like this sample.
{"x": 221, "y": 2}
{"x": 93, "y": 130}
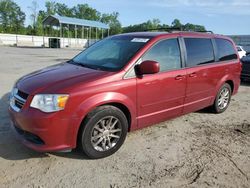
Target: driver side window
{"x": 166, "y": 53}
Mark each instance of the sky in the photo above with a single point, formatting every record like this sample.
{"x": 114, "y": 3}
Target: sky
{"x": 220, "y": 16}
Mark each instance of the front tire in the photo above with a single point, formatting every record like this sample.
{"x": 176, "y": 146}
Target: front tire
{"x": 103, "y": 132}
{"x": 222, "y": 99}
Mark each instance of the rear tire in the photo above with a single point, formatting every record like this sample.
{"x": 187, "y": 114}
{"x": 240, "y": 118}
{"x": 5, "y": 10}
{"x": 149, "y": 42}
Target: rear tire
{"x": 103, "y": 132}
{"x": 222, "y": 99}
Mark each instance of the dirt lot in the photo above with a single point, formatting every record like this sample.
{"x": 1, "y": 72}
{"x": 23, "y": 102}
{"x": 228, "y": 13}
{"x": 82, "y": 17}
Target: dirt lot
{"x": 196, "y": 150}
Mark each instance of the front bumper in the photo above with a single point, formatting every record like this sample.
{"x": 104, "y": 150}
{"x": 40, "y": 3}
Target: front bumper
{"x": 44, "y": 131}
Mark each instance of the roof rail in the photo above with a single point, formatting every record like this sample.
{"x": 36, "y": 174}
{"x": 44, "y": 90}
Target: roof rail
{"x": 174, "y": 29}
{"x": 168, "y": 29}
{"x": 201, "y": 31}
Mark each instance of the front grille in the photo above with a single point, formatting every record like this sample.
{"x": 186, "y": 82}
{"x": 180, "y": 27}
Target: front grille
{"x": 18, "y": 99}
{"x": 19, "y": 104}
{"x": 22, "y": 94}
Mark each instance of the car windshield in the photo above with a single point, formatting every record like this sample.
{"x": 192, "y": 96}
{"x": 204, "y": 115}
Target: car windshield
{"x": 110, "y": 54}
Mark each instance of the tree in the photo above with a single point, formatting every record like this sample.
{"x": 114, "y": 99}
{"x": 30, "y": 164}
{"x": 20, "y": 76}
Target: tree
{"x": 29, "y": 30}
{"x": 176, "y": 24}
{"x": 18, "y": 18}
{"x": 39, "y": 25}
{"x": 155, "y": 24}
{"x": 50, "y": 7}
{"x": 34, "y": 11}
{"x": 192, "y": 27}
{"x": 149, "y": 25}
{"x": 113, "y": 22}
{"x": 83, "y": 11}
{"x": 11, "y": 17}
{"x": 63, "y": 10}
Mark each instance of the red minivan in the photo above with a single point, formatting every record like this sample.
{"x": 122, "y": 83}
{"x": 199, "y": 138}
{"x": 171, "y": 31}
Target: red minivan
{"x": 120, "y": 84}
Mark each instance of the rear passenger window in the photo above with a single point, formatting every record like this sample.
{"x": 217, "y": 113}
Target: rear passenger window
{"x": 199, "y": 51}
{"x": 226, "y": 50}
{"x": 166, "y": 53}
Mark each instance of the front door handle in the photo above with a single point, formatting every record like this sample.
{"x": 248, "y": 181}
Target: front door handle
{"x": 179, "y": 77}
{"x": 192, "y": 75}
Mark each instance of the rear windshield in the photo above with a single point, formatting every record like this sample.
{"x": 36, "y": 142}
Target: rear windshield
{"x": 111, "y": 54}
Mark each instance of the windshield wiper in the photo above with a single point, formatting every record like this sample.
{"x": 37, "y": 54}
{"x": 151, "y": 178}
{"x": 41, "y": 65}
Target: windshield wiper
{"x": 71, "y": 61}
{"x": 82, "y": 64}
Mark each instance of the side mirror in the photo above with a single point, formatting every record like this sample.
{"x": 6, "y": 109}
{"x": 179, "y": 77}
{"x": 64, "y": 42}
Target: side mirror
{"x": 148, "y": 67}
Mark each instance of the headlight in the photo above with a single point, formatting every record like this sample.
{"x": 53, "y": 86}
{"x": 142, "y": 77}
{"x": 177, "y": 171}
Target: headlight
{"x": 49, "y": 102}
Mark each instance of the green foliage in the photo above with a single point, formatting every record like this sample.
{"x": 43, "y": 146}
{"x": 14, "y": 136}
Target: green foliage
{"x": 113, "y": 22}
{"x": 192, "y": 27}
{"x": 176, "y": 24}
{"x": 34, "y": 11}
{"x": 155, "y": 25}
{"x": 11, "y": 17}
{"x": 50, "y": 7}
{"x": 34, "y": 8}
{"x": 187, "y": 27}
{"x": 83, "y": 11}
{"x": 149, "y": 25}
{"x": 63, "y": 10}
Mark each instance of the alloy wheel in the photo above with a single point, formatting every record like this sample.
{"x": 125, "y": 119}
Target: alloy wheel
{"x": 106, "y": 133}
{"x": 223, "y": 98}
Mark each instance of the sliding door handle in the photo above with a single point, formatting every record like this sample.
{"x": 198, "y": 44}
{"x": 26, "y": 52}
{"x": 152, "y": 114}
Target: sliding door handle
{"x": 192, "y": 75}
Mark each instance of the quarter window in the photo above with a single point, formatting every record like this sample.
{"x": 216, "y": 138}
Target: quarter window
{"x": 225, "y": 49}
{"x": 199, "y": 51}
{"x": 166, "y": 53}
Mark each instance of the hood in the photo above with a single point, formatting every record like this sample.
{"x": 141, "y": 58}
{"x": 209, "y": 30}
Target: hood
{"x": 57, "y": 76}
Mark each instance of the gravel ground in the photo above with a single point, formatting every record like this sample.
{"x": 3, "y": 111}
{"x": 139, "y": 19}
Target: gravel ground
{"x": 200, "y": 149}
